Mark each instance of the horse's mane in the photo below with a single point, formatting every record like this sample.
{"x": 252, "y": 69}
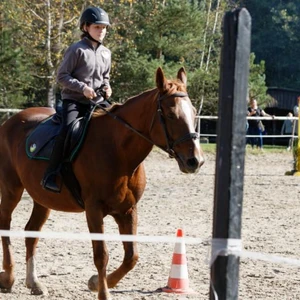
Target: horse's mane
{"x": 116, "y": 106}
{"x": 173, "y": 85}
{"x": 99, "y": 111}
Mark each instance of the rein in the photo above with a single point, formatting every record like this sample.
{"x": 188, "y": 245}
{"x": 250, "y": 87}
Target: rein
{"x": 170, "y": 145}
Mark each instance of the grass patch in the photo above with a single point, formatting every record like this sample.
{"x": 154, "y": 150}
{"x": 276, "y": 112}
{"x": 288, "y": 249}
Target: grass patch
{"x": 211, "y": 148}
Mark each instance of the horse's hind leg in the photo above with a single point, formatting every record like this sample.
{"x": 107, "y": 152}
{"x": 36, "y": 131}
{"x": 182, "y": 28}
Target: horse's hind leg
{"x": 127, "y": 225}
{"x": 9, "y": 200}
{"x": 38, "y": 217}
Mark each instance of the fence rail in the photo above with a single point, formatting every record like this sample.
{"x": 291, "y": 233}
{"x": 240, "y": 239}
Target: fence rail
{"x": 293, "y": 135}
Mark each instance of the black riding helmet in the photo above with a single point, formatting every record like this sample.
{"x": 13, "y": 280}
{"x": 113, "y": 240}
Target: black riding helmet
{"x": 94, "y": 15}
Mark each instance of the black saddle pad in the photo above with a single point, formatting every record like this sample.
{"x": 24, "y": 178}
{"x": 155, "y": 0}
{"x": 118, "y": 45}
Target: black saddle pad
{"x": 40, "y": 142}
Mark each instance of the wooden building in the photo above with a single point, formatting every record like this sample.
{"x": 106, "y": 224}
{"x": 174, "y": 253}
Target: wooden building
{"x": 285, "y": 100}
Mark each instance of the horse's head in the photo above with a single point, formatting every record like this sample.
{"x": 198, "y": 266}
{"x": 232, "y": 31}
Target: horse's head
{"x": 175, "y": 125}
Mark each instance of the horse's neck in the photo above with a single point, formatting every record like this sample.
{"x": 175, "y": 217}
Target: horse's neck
{"x": 140, "y": 110}
{"x": 134, "y": 115}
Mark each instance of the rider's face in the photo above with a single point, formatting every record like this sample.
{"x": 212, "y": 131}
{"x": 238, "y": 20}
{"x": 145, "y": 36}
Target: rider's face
{"x": 97, "y": 31}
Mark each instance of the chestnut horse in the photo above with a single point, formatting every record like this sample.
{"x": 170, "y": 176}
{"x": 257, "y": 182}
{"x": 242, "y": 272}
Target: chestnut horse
{"x": 109, "y": 168}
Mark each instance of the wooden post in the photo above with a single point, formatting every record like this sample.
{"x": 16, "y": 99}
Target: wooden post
{"x": 230, "y": 157}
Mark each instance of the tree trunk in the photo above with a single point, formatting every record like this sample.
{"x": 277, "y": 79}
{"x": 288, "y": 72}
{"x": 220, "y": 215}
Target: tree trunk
{"x": 50, "y": 98}
{"x": 213, "y": 32}
{"x": 205, "y": 34}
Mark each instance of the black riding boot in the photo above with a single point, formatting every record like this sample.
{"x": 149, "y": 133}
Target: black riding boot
{"x": 49, "y": 180}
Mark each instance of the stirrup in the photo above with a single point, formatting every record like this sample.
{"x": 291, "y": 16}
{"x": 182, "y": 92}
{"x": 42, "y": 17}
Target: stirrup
{"x": 48, "y": 183}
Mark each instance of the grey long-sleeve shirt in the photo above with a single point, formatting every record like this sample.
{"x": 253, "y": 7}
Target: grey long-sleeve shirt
{"x": 83, "y": 65}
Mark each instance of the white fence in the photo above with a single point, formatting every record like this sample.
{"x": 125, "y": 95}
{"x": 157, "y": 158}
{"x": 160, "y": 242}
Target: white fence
{"x": 274, "y": 119}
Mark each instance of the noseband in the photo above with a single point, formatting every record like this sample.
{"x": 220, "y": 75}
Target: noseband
{"x": 170, "y": 144}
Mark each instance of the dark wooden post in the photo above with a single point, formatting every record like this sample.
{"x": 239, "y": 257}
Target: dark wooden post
{"x": 231, "y": 143}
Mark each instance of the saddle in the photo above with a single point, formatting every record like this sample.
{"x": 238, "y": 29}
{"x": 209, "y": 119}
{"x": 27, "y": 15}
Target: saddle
{"x": 40, "y": 142}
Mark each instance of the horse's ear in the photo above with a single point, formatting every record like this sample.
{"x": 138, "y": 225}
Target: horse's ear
{"x": 181, "y": 75}
{"x": 160, "y": 79}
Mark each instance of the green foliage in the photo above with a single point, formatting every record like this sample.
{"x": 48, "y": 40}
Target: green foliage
{"x": 276, "y": 40}
{"x": 151, "y": 34}
{"x": 257, "y": 82}
{"x": 161, "y": 34}
{"x": 144, "y": 35}
{"x": 132, "y": 76}
{"x": 13, "y": 77}
{"x": 205, "y": 84}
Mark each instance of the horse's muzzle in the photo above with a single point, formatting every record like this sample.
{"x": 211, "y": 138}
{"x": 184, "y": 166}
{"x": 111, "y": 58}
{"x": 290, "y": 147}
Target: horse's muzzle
{"x": 190, "y": 165}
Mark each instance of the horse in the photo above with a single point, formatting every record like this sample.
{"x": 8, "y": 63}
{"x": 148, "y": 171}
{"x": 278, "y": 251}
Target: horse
{"x": 109, "y": 168}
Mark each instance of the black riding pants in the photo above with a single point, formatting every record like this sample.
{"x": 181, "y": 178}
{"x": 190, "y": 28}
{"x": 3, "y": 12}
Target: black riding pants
{"x": 70, "y": 112}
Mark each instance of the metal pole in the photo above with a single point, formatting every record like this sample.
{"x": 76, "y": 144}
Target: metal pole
{"x": 297, "y": 173}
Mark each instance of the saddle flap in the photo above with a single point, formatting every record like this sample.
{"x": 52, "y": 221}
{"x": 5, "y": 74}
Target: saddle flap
{"x": 42, "y": 136}
{"x": 40, "y": 142}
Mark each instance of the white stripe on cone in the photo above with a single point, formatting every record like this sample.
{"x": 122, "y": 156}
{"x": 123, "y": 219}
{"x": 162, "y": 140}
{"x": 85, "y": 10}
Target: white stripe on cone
{"x": 179, "y": 248}
{"x": 179, "y": 271}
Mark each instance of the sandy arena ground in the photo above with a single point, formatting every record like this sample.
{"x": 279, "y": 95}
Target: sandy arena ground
{"x": 172, "y": 200}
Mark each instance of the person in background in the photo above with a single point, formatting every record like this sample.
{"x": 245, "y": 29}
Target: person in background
{"x": 287, "y": 129}
{"x": 296, "y": 114}
{"x": 296, "y": 107}
{"x": 85, "y": 68}
{"x": 256, "y": 127}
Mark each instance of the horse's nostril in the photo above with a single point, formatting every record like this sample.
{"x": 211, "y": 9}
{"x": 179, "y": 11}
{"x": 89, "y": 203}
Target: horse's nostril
{"x": 192, "y": 162}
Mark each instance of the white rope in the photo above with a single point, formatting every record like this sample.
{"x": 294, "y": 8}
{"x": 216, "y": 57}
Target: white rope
{"x": 98, "y": 237}
{"x": 225, "y": 247}
{"x": 270, "y": 258}
{"x": 219, "y": 247}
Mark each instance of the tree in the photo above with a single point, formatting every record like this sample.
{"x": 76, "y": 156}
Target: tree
{"x": 14, "y": 78}
{"x": 143, "y": 36}
{"x": 275, "y": 39}
{"x": 41, "y": 32}
{"x": 148, "y": 34}
{"x": 257, "y": 82}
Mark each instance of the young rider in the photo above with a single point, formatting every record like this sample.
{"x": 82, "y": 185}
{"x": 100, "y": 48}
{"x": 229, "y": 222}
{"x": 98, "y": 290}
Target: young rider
{"x": 85, "y": 68}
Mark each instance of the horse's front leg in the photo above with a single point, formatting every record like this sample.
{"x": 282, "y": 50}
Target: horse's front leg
{"x": 38, "y": 217}
{"x": 127, "y": 225}
{"x": 95, "y": 223}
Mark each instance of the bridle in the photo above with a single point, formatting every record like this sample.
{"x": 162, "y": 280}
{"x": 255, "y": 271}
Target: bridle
{"x": 169, "y": 143}
{"x": 172, "y": 144}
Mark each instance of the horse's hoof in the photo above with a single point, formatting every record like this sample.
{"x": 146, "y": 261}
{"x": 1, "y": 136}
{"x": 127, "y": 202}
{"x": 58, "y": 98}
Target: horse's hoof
{"x": 93, "y": 283}
{"x": 5, "y": 290}
{"x": 6, "y": 282}
{"x": 111, "y": 281}
{"x": 39, "y": 289}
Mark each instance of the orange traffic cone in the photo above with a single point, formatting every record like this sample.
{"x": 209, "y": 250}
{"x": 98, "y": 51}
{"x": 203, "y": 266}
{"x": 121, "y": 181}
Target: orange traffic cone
{"x": 178, "y": 279}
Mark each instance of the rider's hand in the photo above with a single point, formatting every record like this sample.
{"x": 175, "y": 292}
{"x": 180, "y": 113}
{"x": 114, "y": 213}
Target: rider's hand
{"x": 89, "y": 93}
{"x": 108, "y": 92}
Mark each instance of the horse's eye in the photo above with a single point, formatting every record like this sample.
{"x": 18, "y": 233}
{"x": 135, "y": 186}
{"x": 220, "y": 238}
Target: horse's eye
{"x": 171, "y": 116}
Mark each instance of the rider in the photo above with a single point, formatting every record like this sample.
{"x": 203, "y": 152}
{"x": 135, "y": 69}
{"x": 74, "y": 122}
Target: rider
{"x": 85, "y": 68}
